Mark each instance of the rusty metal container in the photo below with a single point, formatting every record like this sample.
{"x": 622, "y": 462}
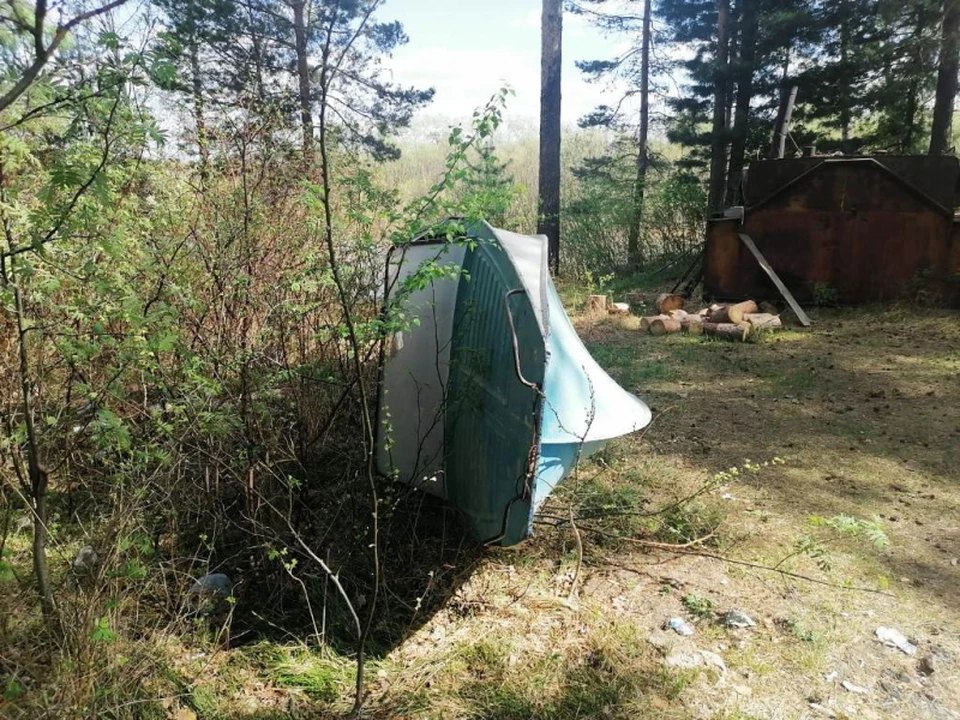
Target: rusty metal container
{"x": 854, "y": 230}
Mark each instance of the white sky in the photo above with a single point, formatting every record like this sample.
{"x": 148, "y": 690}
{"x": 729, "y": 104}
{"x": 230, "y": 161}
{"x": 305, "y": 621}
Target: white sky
{"x": 468, "y": 49}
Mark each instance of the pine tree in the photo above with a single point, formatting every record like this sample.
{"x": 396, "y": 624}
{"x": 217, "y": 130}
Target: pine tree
{"x": 286, "y": 57}
{"x": 948, "y": 67}
{"x": 634, "y": 66}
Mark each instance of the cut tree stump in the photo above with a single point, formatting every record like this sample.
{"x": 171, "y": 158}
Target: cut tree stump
{"x": 727, "y": 331}
{"x": 692, "y": 325}
{"x": 596, "y": 304}
{"x": 764, "y": 321}
{"x": 618, "y": 309}
{"x": 646, "y": 321}
{"x": 664, "y": 326}
{"x": 667, "y": 302}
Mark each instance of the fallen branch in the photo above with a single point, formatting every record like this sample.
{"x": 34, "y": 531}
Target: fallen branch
{"x": 787, "y": 573}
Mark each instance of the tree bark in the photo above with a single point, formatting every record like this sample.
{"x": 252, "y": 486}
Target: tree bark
{"x": 748, "y": 50}
{"x": 845, "y": 92}
{"x": 43, "y": 51}
{"x": 634, "y": 250}
{"x": 664, "y": 326}
{"x": 303, "y": 76}
{"x": 199, "y": 118}
{"x": 913, "y": 92}
{"x": 788, "y": 98}
{"x": 941, "y": 136}
{"x": 727, "y": 331}
{"x": 37, "y": 476}
{"x": 668, "y": 301}
{"x": 550, "y": 102}
{"x": 718, "y": 142}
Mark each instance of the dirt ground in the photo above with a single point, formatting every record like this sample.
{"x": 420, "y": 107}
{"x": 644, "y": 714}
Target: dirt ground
{"x": 830, "y": 453}
{"x": 864, "y": 412}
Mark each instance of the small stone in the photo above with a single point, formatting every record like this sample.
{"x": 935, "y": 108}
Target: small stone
{"x": 856, "y": 689}
{"x": 86, "y": 560}
{"x": 698, "y": 658}
{"x": 926, "y": 665}
{"x": 822, "y": 710}
{"x": 679, "y": 626}
{"x": 686, "y": 661}
{"x": 737, "y": 619}
{"x": 711, "y": 658}
{"x": 215, "y": 586}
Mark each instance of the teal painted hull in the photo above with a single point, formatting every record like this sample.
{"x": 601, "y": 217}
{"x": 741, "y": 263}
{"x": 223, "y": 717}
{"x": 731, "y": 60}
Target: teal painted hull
{"x": 490, "y": 399}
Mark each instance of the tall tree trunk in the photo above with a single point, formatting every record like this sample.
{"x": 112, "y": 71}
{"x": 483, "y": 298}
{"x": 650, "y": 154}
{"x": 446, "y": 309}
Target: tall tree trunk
{"x": 748, "y": 50}
{"x": 37, "y": 475}
{"x": 199, "y": 118}
{"x": 913, "y": 92}
{"x": 781, "y": 127}
{"x": 718, "y": 143}
{"x": 845, "y": 92}
{"x": 303, "y": 76}
{"x": 634, "y": 250}
{"x": 550, "y": 64}
{"x": 941, "y": 136}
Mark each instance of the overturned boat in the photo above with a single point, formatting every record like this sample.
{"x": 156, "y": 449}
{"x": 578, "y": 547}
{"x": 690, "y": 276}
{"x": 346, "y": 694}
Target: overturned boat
{"x": 489, "y": 398}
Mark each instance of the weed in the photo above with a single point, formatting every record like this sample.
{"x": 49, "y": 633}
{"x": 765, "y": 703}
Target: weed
{"x": 824, "y": 295}
{"x": 687, "y": 523}
{"x": 701, "y": 607}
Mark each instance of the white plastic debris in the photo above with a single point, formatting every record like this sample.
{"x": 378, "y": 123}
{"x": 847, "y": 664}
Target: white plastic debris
{"x": 891, "y": 637}
{"x": 737, "y": 619}
{"x": 680, "y": 626}
{"x": 850, "y": 687}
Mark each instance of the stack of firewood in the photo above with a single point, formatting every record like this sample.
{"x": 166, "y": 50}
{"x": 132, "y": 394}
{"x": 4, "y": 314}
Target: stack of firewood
{"x": 730, "y": 321}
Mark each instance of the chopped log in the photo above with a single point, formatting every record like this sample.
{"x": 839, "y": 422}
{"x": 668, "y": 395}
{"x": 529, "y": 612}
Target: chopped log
{"x": 667, "y": 302}
{"x": 680, "y": 315}
{"x": 664, "y": 326}
{"x": 618, "y": 309}
{"x": 692, "y": 325}
{"x": 733, "y": 313}
{"x": 704, "y": 314}
{"x": 764, "y": 321}
{"x": 646, "y": 321}
{"x": 596, "y": 304}
{"x": 736, "y": 312}
{"x": 727, "y": 331}
{"x": 717, "y": 310}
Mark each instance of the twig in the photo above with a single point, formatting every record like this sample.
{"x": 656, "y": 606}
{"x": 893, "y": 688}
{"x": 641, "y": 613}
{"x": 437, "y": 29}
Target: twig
{"x": 787, "y": 573}
{"x": 576, "y": 573}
